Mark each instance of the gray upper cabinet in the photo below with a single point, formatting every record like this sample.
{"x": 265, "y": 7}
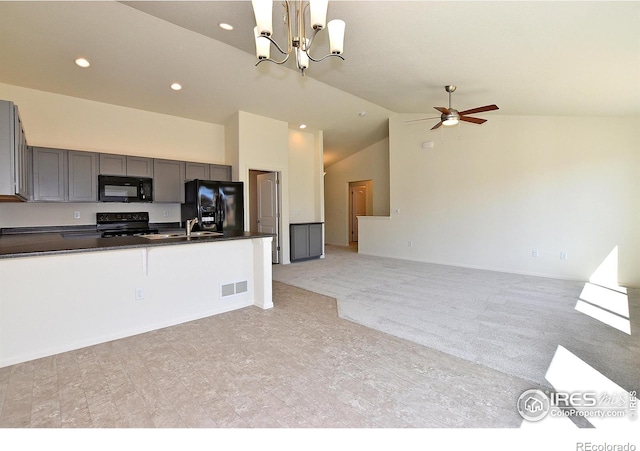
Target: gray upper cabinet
{"x": 49, "y": 174}
{"x": 140, "y": 166}
{"x": 83, "y": 176}
{"x": 61, "y": 175}
{"x": 15, "y": 155}
{"x": 23, "y": 161}
{"x": 168, "y": 181}
{"x": 220, "y": 173}
{"x": 206, "y": 171}
{"x": 111, "y": 164}
{"x": 195, "y": 171}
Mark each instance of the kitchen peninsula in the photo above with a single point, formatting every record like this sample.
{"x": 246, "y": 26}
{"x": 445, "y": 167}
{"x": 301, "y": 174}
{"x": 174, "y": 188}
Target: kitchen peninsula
{"x": 58, "y": 294}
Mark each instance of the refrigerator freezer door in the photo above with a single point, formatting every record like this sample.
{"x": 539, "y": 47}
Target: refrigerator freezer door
{"x": 231, "y": 206}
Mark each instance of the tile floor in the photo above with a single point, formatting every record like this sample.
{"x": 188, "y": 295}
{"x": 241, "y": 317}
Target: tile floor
{"x": 295, "y": 366}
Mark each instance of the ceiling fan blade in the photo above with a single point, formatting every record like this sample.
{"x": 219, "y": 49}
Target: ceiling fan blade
{"x": 437, "y": 125}
{"x": 423, "y": 119}
{"x": 480, "y": 109}
{"x": 475, "y": 120}
{"x": 442, "y": 109}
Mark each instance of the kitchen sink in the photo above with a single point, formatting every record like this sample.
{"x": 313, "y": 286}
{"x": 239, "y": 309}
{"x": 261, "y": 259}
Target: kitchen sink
{"x": 165, "y": 236}
{"x": 205, "y": 233}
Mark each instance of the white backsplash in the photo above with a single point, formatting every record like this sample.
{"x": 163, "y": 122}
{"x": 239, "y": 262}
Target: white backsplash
{"x": 38, "y": 214}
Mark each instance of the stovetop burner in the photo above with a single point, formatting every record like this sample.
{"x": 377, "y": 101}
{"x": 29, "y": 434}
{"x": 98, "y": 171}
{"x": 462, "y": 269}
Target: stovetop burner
{"x": 128, "y": 232}
{"x": 123, "y": 224}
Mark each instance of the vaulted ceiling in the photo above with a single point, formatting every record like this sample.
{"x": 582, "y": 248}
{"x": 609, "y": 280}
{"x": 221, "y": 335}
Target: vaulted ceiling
{"x": 529, "y": 58}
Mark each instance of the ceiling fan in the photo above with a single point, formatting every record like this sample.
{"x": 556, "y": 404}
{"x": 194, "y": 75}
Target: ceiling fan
{"x": 450, "y": 116}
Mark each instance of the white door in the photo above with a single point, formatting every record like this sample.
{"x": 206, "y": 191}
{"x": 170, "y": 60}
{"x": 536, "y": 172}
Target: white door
{"x": 358, "y": 208}
{"x": 268, "y": 210}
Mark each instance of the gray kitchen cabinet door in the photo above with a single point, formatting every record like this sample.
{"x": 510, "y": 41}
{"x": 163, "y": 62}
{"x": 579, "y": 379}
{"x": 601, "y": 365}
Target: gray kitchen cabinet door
{"x": 111, "y": 164}
{"x": 15, "y": 156}
{"x": 23, "y": 158}
{"x": 299, "y": 241}
{"x": 7, "y": 150}
{"x": 49, "y": 174}
{"x": 140, "y": 166}
{"x": 315, "y": 240}
{"x": 83, "y": 176}
{"x": 24, "y": 169}
{"x": 195, "y": 171}
{"x": 219, "y": 172}
{"x": 306, "y": 240}
{"x": 168, "y": 181}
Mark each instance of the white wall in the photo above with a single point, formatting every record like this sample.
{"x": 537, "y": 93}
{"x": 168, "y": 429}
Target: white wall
{"x": 371, "y": 163}
{"x": 81, "y": 299}
{"x": 486, "y": 196}
{"x": 41, "y": 214}
{"x": 232, "y": 144}
{"x": 306, "y": 185}
{"x": 263, "y": 144}
{"x": 53, "y": 120}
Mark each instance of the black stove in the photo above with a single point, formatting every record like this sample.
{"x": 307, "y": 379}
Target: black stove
{"x": 123, "y": 224}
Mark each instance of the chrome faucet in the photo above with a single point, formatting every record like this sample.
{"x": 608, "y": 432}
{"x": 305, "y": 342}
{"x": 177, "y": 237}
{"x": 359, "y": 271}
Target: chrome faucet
{"x": 190, "y": 224}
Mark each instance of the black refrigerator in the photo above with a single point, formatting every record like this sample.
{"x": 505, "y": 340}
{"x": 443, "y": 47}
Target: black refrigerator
{"x": 219, "y": 206}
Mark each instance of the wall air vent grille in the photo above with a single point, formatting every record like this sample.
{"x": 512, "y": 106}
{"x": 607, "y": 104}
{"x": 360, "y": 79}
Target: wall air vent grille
{"x": 241, "y": 287}
{"x": 227, "y": 290}
{"x": 231, "y": 289}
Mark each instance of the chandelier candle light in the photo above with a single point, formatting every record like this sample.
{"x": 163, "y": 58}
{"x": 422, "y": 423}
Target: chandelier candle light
{"x": 295, "y": 19}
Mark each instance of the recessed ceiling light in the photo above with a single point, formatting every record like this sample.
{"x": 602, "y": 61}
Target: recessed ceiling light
{"x": 362, "y": 113}
{"x": 82, "y": 62}
{"x": 176, "y": 86}
{"x": 303, "y": 126}
{"x": 225, "y": 26}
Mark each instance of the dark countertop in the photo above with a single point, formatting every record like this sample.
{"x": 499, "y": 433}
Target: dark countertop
{"x": 37, "y": 244}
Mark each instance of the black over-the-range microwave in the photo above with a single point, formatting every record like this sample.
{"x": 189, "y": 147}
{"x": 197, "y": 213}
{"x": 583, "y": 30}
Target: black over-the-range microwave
{"x": 113, "y": 188}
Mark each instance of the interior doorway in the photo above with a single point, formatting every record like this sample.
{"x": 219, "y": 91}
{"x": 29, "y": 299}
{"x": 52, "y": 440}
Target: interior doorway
{"x": 264, "y": 207}
{"x": 358, "y": 201}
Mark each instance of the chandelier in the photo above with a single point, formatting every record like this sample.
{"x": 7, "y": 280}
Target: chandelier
{"x": 297, "y": 12}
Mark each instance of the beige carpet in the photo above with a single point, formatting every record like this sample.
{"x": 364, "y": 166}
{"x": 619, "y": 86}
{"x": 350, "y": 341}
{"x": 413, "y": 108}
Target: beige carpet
{"x": 508, "y": 322}
{"x": 294, "y": 366}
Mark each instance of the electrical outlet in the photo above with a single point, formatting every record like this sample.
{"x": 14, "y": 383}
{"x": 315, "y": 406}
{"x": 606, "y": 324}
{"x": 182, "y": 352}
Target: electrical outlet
{"x": 535, "y": 253}
{"x": 410, "y": 243}
{"x": 139, "y": 294}
{"x": 563, "y": 256}
{"x": 76, "y": 215}
{"x": 166, "y": 214}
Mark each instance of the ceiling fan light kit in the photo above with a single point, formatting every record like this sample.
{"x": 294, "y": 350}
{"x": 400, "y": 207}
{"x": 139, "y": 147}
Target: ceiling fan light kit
{"x": 297, "y": 14}
{"x": 450, "y": 116}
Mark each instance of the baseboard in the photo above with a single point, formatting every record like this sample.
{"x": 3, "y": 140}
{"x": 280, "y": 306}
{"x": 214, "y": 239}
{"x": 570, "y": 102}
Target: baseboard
{"x": 482, "y": 268}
